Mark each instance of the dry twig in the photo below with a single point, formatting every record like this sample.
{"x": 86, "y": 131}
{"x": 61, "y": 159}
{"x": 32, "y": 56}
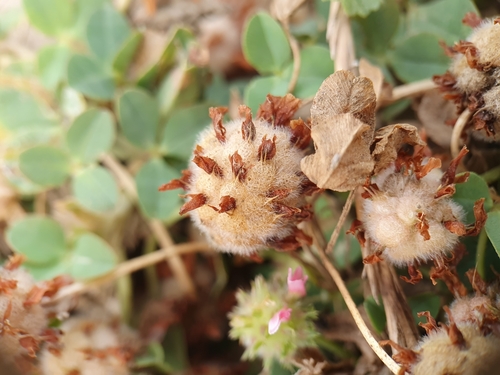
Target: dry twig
{"x": 157, "y": 228}
{"x": 128, "y": 267}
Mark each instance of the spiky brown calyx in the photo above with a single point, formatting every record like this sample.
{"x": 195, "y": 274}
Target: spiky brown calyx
{"x": 245, "y": 187}
{"x": 474, "y": 75}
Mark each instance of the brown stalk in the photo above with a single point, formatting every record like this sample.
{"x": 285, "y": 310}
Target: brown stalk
{"x": 156, "y": 226}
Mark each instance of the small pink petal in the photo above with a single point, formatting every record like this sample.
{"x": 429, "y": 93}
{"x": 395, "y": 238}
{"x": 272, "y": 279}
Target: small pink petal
{"x": 281, "y": 316}
{"x": 297, "y": 282}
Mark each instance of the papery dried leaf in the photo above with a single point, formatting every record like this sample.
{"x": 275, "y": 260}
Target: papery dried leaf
{"x": 388, "y": 141}
{"x": 289, "y": 243}
{"x": 278, "y": 110}
{"x": 343, "y": 121}
{"x": 342, "y": 160}
{"x": 374, "y": 74}
{"x": 343, "y": 92}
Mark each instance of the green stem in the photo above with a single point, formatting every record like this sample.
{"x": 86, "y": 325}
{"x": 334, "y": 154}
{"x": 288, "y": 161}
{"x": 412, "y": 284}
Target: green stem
{"x": 492, "y": 175}
{"x": 481, "y": 254}
{"x": 333, "y": 347}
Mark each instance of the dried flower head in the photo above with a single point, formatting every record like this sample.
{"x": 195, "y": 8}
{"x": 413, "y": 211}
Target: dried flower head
{"x": 270, "y": 324}
{"x": 244, "y": 185}
{"x": 89, "y": 347}
{"x": 461, "y": 347}
{"x": 409, "y": 215}
{"x": 474, "y": 76}
{"x": 23, "y": 320}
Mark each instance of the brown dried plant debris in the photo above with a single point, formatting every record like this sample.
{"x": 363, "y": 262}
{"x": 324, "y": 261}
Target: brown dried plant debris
{"x": 469, "y": 344}
{"x": 409, "y": 216}
{"x": 24, "y": 321}
{"x": 342, "y": 127}
{"x": 348, "y": 150}
{"x": 472, "y": 80}
{"x": 244, "y": 185}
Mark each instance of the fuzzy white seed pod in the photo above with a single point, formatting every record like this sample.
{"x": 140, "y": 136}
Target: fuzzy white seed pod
{"x": 478, "y": 354}
{"x": 245, "y": 188}
{"x": 405, "y": 220}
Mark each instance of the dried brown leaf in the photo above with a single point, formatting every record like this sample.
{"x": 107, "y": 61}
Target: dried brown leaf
{"x": 342, "y": 160}
{"x": 343, "y": 121}
{"x": 389, "y": 140}
{"x": 283, "y": 9}
{"x": 374, "y": 74}
{"x": 279, "y": 110}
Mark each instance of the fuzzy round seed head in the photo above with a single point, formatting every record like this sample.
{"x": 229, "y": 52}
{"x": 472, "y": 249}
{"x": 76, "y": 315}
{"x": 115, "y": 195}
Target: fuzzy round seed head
{"x": 438, "y": 355}
{"x": 244, "y": 186}
{"x": 18, "y": 320}
{"x": 405, "y": 220}
{"x": 469, "y": 80}
{"x": 474, "y": 77}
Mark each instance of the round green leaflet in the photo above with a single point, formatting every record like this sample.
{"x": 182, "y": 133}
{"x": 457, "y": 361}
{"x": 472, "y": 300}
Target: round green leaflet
{"x": 39, "y": 238}
{"x": 95, "y": 189}
{"x": 265, "y": 44}
{"x": 91, "y": 134}
{"x": 92, "y": 257}
{"x": 45, "y": 165}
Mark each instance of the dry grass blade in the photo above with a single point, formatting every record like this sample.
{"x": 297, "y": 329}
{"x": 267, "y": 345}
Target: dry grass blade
{"x": 128, "y": 267}
{"x": 340, "y": 223}
{"x": 159, "y": 231}
{"x": 365, "y": 331}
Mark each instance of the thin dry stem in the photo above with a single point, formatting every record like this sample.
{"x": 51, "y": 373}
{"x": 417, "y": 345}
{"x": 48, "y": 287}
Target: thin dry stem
{"x": 128, "y": 267}
{"x": 363, "y": 328}
{"x": 340, "y": 40}
{"x": 157, "y": 228}
{"x": 410, "y": 90}
{"x": 459, "y": 127}
{"x": 296, "y": 56}
{"x": 340, "y": 223}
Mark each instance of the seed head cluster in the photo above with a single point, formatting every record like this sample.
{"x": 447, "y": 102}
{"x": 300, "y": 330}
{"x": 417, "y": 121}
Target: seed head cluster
{"x": 245, "y": 189}
{"x": 468, "y": 344}
{"x": 473, "y": 80}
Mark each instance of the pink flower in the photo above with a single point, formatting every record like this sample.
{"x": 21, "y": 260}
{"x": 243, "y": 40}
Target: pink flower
{"x": 281, "y": 316}
{"x": 297, "y": 282}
